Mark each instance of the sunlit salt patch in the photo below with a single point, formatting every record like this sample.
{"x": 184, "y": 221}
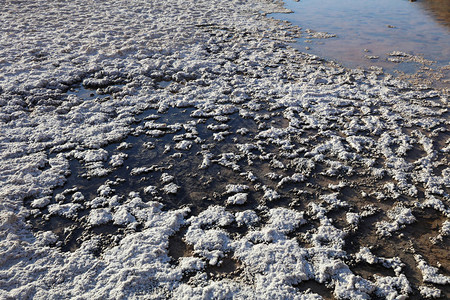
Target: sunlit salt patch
{"x": 236, "y": 188}
{"x": 124, "y": 146}
{"x": 47, "y": 238}
{"x": 155, "y": 133}
{"x": 428, "y": 292}
{"x": 180, "y": 137}
{"x": 150, "y": 190}
{"x": 399, "y": 216}
{"x": 222, "y": 119}
{"x": 249, "y": 176}
{"x": 273, "y": 176}
{"x": 285, "y": 220}
{"x": 317, "y": 211}
{"x": 99, "y": 216}
{"x": 213, "y": 242}
{"x": 332, "y": 199}
{"x": 318, "y": 35}
{"x": 206, "y": 162}
{"x": 167, "y": 149}
{"x": 217, "y": 288}
{"x": 237, "y": 199}
{"x": 378, "y": 172}
{"x": 97, "y": 202}
{"x": 148, "y": 145}
{"x": 154, "y": 125}
{"x": 184, "y": 145}
{"x": 271, "y": 133}
{"x": 328, "y": 235}
{"x": 360, "y": 143}
{"x": 342, "y": 278}
{"x": 294, "y": 178}
{"x": 62, "y": 196}
{"x": 270, "y": 194}
{"x": 96, "y": 169}
{"x": 444, "y": 231}
{"x": 352, "y": 218}
{"x": 41, "y": 202}
{"x": 141, "y": 170}
{"x": 277, "y": 164}
{"x": 69, "y": 210}
{"x": 123, "y": 217}
{"x": 220, "y": 136}
{"x": 91, "y": 155}
{"x": 77, "y": 197}
{"x": 191, "y": 263}
{"x": 335, "y": 147}
{"x": 392, "y": 287}
{"x": 246, "y": 148}
{"x": 170, "y": 188}
{"x": 429, "y": 273}
{"x": 105, "y": 190}
{"x": 391, "y": 190}
{"x": 117, "y": 159}
{"x": 274, "y": 264}
{"x": 337, "y": 187}
{"x": 242, "y": 131}
{"x": 247, "y": 217}
{"x": 219, "y": 127}
{"x": 166, "y": 178}
{"x": 263, "y": 259}
{"x": 336, "y": 167}
{"x": 229, "y": 160}
{"x": 135, "y": 211}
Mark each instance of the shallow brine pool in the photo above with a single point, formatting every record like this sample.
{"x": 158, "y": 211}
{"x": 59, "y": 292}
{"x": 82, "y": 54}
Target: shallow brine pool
{"x": 367, "y": 32}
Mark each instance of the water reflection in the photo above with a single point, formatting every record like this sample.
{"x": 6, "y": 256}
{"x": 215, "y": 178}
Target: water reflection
{"x": 368, "y": 30}
{"x": 440, "y": 9}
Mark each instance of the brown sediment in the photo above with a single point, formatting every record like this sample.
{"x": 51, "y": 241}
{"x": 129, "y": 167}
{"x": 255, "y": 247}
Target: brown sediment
{"x": 315, "y": 287}
{"x": 367, "y": 271}
{"x": 415, "y": 153}
{"x": 177, "y": 246}
{"x": 420, "y": 233}
{"x": 227, "y": 268}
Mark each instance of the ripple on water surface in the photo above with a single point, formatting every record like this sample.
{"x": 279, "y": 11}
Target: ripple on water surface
{"x": 367, "y": 31}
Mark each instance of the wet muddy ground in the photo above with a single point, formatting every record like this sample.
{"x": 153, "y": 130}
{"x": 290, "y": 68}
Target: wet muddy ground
{"x": 230, "y": 143}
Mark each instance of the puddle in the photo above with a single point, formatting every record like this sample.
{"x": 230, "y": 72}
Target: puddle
{"x": 366, "y": 31}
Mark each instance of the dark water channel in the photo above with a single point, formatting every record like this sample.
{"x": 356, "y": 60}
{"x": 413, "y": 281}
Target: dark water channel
{"x": 367, "y": 31}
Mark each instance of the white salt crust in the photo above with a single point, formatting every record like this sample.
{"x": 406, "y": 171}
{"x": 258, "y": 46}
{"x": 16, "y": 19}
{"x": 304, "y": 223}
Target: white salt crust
{"x": 430, "y": 273}
{"x": 429, "y": 292}
{"x": 128, "y": 48}
{"x": 239, "y": 198}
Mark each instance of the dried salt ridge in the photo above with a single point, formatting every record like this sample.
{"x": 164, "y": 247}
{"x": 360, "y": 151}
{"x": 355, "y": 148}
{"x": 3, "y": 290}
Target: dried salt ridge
{"x": 191, "y": 99}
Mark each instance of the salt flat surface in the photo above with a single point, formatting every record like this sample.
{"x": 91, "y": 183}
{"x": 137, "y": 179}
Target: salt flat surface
{"x": 182, "y": 149}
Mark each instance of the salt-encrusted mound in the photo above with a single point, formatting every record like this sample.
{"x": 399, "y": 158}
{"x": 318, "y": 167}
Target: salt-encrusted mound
{"x": 294, "y": 169}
